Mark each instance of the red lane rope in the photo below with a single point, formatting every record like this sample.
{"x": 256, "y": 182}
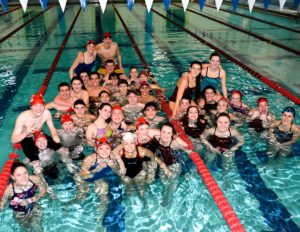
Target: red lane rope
{"x": 23, "y": 25}
{"x": 5, "y": 174}
{"x": 256, "y": 19}
{"x": 297, "y": 52}
{"x": 7, "y": 12}
{"x": 222, "y": 203}
{"x": 262, "y": 78}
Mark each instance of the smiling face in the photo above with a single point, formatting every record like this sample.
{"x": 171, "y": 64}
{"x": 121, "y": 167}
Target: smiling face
{"x": 79, "y": 110}
{"x": 76, "y": 85}
{"x": 104, "y": 150}
{"x": 195, "y": 70}
{"x": 129, "y": 146}
{"x": 223, "y": 123}
{"x": 236, "y": 99}
{"x": 133, "y": 73}
{"x": 263, "y": 107}
{"x": 150, "y": 112}
{"x": 117, "y": 116}
{"x": 193, "y": 114}
{"x": 41, "y": 143}
{"x": 145, "y": 90}
{"x": 94, "y": 80}
{"x": 20, "y": 176}
{"x": 64, "y": 92}
{"x": 110, "y": 67}
{"x": 209, "y": 95}
{"x": 104, "y": 97}
{"x": 214, "y": 62}
{"x": 37, "y": 109}
{"x": 184, "y": 104}
{"x": 85, "y": 77}
{"x": 105, "y": 112}
{"x": 143, "y": 130}
{"x": 222, "y": 106}
{"x": 132, "y": 99}
{"x": 166, "y": 133}
{"x": 68, "y": 126}
{"x": 287, "y": 118}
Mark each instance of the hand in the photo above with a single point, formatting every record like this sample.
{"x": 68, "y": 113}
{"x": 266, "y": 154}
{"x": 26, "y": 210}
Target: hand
{"x": 122, "y": 171}
{"x": 72, "y": 168}
{"x": 169, "y": 173}
{"x": 56, "y": 139}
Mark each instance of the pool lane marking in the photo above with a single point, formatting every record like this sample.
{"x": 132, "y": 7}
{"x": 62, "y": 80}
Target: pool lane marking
{"x": 23, "y": 25}
{"x": 238, "y": 28}
{"x": 7, "y": 12}
{"x": 58, "y": 55}
{"x": 275, "y": 213}
{"x": 223, "y": 205}
{"x": 256, "y": 19}
{"x": 11, "y": 90}
{"x": 269, "y": 11}
{"x": 262, "y": 78}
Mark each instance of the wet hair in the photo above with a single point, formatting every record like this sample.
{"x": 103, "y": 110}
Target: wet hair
{"x": 85, "y": 72}
{"x": 104, "y": 91}
{"x": 132, "y": 91}
{"x": 223, "y": 115}
{"x": 185, "y": 119}
{"x": 151, "y": 104}
{"x": 168, "y": 124}
{"x": 122, "y": 81}
{"x": 198, "y": 80}
{"x": 289, "y": 110}
{"x": 94, "y": 73}
{"x": 133, "y": 67}
{"x": 214, "y": 54}
{"x": 109, "y": 61}
{"x": 113, "y": 74}
{"x": 186, "y": 98}
{"x": 62, "y": 84}
{"x": 209, "y": 87}
{"x": 103, "y": 105}
{"x": 15, "y": 165}
{"x": 79, "y": 102}
{"x": 77, "y": 78}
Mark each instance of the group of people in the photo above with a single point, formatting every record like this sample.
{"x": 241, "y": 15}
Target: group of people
{"x": 117, "y": 115}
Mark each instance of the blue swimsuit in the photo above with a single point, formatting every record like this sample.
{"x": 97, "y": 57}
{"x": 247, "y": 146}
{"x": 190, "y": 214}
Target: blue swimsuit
{"x": 281, "y": 136}
{"x": 83, "y": 67}
{"x": 215, "y": 82}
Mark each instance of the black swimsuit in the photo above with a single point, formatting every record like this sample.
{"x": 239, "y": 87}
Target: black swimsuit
{"x": 188, "y": 92}
{"x": 281, "y": 136}
{"x": 166, "y": 153}
{"x": 133, "y": 165}
{"x": 221, "y": 143}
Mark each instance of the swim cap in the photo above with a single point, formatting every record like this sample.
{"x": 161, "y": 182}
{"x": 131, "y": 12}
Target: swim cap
{"x": 117, "y": 107}
{"x": 143, "y": 73}
{"x": 290, "y": 110}
{"x": 91, "y": 42}
{"x": 236, "y": 92}
{"x": 262, "y": 99}
{"x": 144, "y": 83}
{"x": 224, "y": 99}
{"x": 38, "y": 135}
{"x": 101, "y": 141}
{"x": 65, "y": 118}
{"x": 128, "y": 136}
{"x": 107, "y": 34}
{"x": 37, "y": 98}
{"x": 140, "y": 121}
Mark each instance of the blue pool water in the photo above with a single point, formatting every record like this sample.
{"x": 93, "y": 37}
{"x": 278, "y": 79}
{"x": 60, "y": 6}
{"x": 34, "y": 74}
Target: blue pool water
{"x": 264, "y": 199}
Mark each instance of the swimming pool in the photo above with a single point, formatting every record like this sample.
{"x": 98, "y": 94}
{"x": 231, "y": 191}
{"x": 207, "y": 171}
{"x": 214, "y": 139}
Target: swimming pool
{"x": 262, "y": 199}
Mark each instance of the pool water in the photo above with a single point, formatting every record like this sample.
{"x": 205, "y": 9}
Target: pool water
{"x": 264, "y": 198}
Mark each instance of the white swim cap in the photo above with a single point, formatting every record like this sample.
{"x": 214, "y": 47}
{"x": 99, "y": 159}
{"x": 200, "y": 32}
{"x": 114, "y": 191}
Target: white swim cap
{"x": 128, "y": 136}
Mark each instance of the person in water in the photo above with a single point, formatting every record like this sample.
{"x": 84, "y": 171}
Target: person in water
{"x": 31, "y": 122}
{"x": 238, "y": 107}
{"x": 187, "y": 86}
{"x": 260, "y": 118}
{"x": 23, "y": 195}
{"x": 150, "y": 112}
{"x": 133, "y": 109}
{"x": 84, "y": 61}
{"x": 214, "y": 75}
{"x": 97, "y": 168}
{"x": 99, "y": 128}
{"x": 81, "y": 117}
{"x": 78, "y": 91}
{"x": 283, "y": 134}
{"x": 120, "y": 96}
{"x": 209, "y": 101}
{"x": 133, "y": 157}
{"x": 222, "y": 140}
{"x": 71, "y": 137}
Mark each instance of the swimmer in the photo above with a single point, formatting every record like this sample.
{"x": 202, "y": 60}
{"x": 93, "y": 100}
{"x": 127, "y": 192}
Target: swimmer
{"x": 284, "y": 133}
{"x": 210, "y": 100}
{"x": 109, "y": 68}
{"x": 85, "y": 77}
{"x": 133, "y": 109}
{"x": 100, "y": 128}
{"x": 237, "y": 105}
{"x": 188, "y": 84}
{"x": 120, "y": 96}
{"x": 80, "y": 117}
{"x": 133, "y": 75}
{"x": 78, "y": 91}
{"x": 71, "y": 137}
{"x": 84, "y": 61}
{"x": 23, "y": 195}
{"x": 260, "y": 118}
{"x": 214, "y": 75}
{"x": 220, "y": 141}
{"x": 146, "y": 96}
{"x": 168, "y": 147}
{"x": 133, "y": 158}
{"x": 150, "y": 112}
{"x": 109, "y": 50}
{"x": 63, "y": 101}
{"x": 32, "y": 121}
{"x": 112, "y": 83}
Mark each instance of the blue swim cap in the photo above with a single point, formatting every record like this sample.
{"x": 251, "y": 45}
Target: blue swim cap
{"x": 290, "y": 110}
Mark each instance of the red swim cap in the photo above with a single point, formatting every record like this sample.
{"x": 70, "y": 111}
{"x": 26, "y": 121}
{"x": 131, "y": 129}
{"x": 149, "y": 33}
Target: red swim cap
{"x": 107, "y": 34}
{"x": 101, "y": 141}
{"x": 225, "y": 100}
{"x": 117, "y": 107}
{"x": 37, "y": 98}
{"x": 262, "y": 99}
{"x": 38, "y": 136}
{"x": 236, "y": 92}
{"x": 140, "y": 121}
{"x": 65, "y": 118}
{"x": 143, "y": 73}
